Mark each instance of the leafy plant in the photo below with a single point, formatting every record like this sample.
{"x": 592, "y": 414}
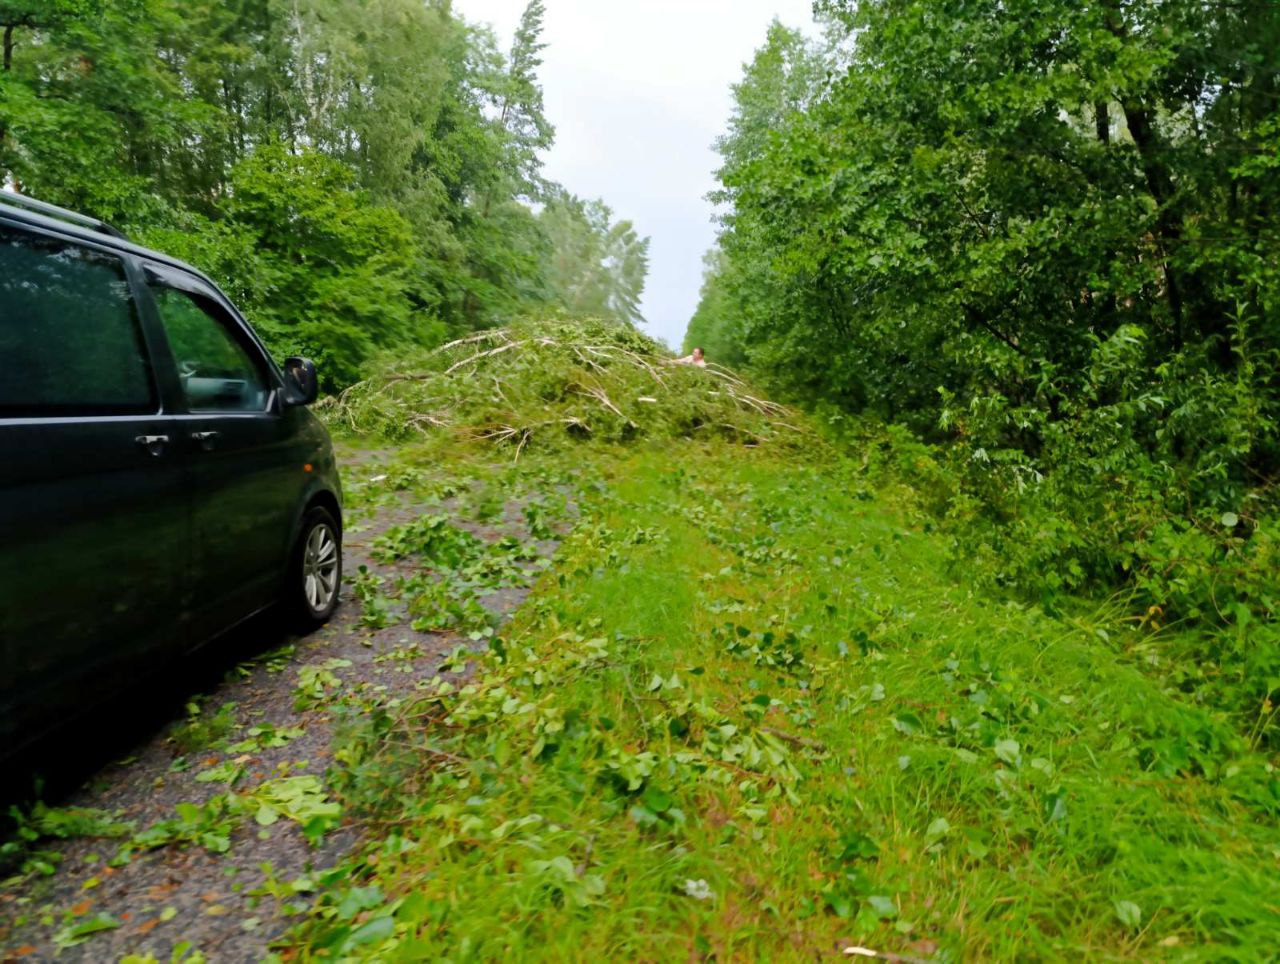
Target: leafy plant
{"x": 375, "y": 612}
{"x": 208, "y": 825}
{"x": 442, "y": 605}
{"x": 433, "y": 538}
{"x": 265, "y": 736}
{"x": 1002, "y": 241}
{"x": 300, "y": 798}
{"x": 316, "y": 681}
{"x": 77, "y": 932}
{"x": 42, "y": 822}
{"x": 203, "y": 730}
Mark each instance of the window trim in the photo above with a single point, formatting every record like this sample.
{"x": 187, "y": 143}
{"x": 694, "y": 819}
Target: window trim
{"x": 142, "y": 327}
{"x": 153, "y": 275}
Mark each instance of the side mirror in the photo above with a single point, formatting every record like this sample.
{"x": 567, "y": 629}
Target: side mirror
{"x": 301, "y": 384}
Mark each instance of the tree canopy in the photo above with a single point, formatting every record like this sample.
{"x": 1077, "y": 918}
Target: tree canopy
{"x": 359, "y": 176}
{"x": 1044, "y": 232}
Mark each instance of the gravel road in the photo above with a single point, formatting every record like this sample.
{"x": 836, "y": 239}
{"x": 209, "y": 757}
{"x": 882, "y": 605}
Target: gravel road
{"x": 176, "y": 894}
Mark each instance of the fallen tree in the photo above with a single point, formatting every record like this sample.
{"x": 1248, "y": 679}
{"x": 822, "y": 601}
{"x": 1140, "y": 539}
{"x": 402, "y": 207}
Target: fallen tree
{"x": 550, "y": 383}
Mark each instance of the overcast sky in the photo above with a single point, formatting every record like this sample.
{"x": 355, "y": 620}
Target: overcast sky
{"x": 638, "y": 90}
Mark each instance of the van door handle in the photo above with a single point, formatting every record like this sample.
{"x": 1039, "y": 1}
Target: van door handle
{"x": 206, "y": 439}
{"x": 154, "y": 444}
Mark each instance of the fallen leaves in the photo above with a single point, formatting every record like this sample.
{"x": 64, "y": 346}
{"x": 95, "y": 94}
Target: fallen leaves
{"x": 72, "y": 934}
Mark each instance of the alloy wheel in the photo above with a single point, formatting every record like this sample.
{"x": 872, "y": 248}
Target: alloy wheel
{"x": 320, "y": 567}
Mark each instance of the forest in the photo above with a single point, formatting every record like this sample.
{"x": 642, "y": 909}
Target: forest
{"x": 934, "y": 619}
{"x": 1043, "y": 237}
{"x": 359, "y": 178}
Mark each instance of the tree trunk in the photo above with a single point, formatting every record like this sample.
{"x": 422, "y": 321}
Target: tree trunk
{"x": 1168, "y": 227}
{"x": 1161, "y": 187}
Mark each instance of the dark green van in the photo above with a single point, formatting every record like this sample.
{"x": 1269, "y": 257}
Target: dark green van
{"x": 161, "y": 479}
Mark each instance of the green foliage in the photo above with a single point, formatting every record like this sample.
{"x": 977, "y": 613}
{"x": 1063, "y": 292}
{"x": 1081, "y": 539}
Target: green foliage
{"x": 330, "y": 269}
{"x": 265, "y": 736}
{"x": 28, "y": 828}
{"x": 375, "y": 605}
{"x": 63, "y": 823}
{"x": 203, "y": 730}
{"x": 993, "y": 782}
{"x": 77, "y": 932}
{"x": 778, "y": 83}
{"x": 714, "y": 326}
{"x": 454, "y": 570}
{"x": 90, "y": 115}
{"x": 433, "y": 538}
{"x": 520, "y": 102}
{"x": 317, "y": 683}
{"x": 597, "y": 266}
{"x": 1037, "y": 236}
{"x": 208, "y": 825}
{"x": 359, "y": 176}
{"x": 446, "y": 605}
{"x": 547, "y": 384}
{"x": 301, "y": 799}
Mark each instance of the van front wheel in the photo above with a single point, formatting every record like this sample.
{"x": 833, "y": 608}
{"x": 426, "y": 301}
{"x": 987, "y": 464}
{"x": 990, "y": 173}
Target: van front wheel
{"x": 315, "y": 570}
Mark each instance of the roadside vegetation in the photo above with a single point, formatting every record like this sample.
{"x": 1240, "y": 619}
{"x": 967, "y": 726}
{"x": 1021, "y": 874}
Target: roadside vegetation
{"x": 755, "y": 705}
{"x": 1045, "y": 240}
{"x": 756, "y": 709}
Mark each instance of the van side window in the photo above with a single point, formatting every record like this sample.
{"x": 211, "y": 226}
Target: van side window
{"x": 70, "y": 343}
{"x": 217, "y": 372}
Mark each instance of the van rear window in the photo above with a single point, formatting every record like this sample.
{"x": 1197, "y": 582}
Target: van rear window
{"x": 70, "y": 343}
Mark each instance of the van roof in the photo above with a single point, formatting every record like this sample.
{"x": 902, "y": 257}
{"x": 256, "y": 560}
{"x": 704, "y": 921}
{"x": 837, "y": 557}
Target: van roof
{"x": 83, "y": 228}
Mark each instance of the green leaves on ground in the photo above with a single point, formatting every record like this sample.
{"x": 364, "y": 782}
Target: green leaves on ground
{"x": 208, "y": 825}
{"x": 456, "y": 569}
{"x": 302, "y": 799}
{"x": 29, "y": 827}
{"x": 77, "y": 932}
{"x": 202, "y": 729}
{"x": 433, "y": 538}
{"x": 869, "y": 750}
{"x": 317, "y": 683}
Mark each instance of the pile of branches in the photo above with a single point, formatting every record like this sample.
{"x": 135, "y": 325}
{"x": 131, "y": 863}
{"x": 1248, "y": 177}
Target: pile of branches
{"x": 549, "y": 383}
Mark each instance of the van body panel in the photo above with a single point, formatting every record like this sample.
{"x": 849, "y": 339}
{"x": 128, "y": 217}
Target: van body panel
{"x": 129, "y": 539}
{"x": 244, "y": 486}
{"x": 95, "y": 531}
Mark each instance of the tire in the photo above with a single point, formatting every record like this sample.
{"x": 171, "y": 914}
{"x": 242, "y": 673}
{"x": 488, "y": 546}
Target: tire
{"x": 315, "y": 571}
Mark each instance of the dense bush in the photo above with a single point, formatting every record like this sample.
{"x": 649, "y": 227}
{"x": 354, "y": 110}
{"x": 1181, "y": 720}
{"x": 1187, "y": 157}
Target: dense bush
{"x": 320, "y": 269}
{"x": 1045, "y": 238}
